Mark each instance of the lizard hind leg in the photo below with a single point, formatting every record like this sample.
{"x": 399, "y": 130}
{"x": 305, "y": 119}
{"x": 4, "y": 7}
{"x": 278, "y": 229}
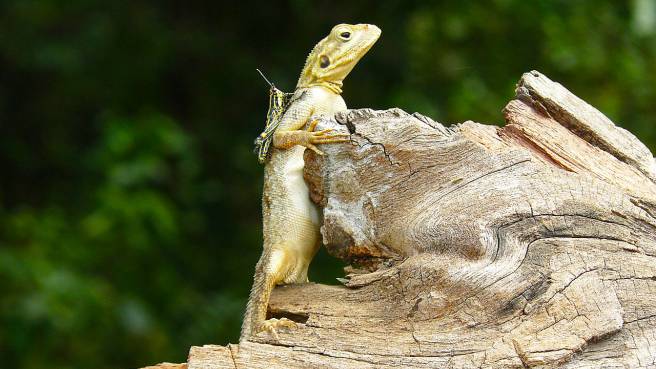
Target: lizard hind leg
{"x": 272, "y": 269}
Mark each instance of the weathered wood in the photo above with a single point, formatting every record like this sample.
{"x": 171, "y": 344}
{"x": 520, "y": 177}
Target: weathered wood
{"x": 475, "y": 246}
{"x": 166, "y": 366}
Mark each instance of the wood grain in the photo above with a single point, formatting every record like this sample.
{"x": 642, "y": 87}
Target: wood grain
{"x": 474, "y": 246}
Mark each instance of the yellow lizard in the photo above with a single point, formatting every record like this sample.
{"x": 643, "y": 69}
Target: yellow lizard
{"x": 291, "y": 220}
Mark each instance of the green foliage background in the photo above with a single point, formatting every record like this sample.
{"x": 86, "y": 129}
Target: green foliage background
{"x": 129, "y": 197}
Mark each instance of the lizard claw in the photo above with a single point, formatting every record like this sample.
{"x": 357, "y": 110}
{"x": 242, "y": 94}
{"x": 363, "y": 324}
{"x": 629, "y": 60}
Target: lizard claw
{"x": 310, "y": 138}
{"x": 314, "y": 148}
{"x": 271, "y": 325}
{"x": 313, "y": 125}
{"x": 323, "y": 136}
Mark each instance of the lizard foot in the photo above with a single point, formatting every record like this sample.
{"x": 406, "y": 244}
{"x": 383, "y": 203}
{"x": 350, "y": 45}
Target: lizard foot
{"x": 323, "y": 137}
{"x": 271, "y": 325}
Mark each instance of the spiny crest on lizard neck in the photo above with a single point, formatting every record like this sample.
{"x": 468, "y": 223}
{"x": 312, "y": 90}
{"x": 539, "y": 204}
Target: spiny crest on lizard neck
{"x": 333, "y": 58}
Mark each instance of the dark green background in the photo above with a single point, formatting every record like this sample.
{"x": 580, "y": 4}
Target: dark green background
{"x": 129, "y": 196}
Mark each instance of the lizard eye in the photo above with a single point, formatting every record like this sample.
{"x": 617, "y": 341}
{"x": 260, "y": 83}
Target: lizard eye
{"x": 345, "y": 35}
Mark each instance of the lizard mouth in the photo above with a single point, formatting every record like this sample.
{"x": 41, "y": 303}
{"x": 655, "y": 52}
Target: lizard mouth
{"x": 375, "y": 33}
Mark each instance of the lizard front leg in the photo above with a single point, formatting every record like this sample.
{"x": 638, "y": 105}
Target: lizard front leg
{"x": 308, "y": 138}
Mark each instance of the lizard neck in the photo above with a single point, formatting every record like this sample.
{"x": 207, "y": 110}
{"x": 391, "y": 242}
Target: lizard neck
{"x": 335, "y": 87}
{"x": 309, "y": 79}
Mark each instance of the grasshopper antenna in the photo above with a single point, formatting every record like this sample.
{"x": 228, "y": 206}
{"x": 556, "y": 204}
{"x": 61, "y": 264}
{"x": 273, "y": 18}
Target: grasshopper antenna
{"x": 263, "y": 76}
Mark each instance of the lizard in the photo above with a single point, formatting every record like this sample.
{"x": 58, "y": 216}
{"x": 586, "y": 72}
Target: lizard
{"x": 290, "y": 219}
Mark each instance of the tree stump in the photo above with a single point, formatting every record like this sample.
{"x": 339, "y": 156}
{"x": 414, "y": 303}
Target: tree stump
{"x": 475, "y": 246}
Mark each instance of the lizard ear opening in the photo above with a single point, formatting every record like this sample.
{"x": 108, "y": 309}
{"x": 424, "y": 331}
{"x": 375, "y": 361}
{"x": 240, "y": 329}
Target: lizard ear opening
{"x": 324, "y": 61}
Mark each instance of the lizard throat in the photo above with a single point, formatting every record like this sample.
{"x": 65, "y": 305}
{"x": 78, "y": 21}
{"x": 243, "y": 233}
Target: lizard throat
{"x": 335, "y": 87}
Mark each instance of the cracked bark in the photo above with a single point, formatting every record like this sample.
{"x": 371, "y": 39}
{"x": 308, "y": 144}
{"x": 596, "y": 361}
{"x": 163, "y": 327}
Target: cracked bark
{"x": 474, "y": 246}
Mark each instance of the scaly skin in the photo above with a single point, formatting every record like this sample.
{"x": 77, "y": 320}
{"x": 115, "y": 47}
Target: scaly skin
{"x": 291, "y": 220}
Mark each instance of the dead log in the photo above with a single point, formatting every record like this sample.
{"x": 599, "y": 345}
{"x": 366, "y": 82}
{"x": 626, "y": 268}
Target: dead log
{"x": 475, "y": 246}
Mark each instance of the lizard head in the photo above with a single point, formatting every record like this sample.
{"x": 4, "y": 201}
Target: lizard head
{"x": 334, "y": 57}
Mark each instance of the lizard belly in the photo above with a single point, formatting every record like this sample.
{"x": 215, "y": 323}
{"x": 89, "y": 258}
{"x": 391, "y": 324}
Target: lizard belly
{"x": 291, "y": 220}
{"x": 297, "y": 188}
